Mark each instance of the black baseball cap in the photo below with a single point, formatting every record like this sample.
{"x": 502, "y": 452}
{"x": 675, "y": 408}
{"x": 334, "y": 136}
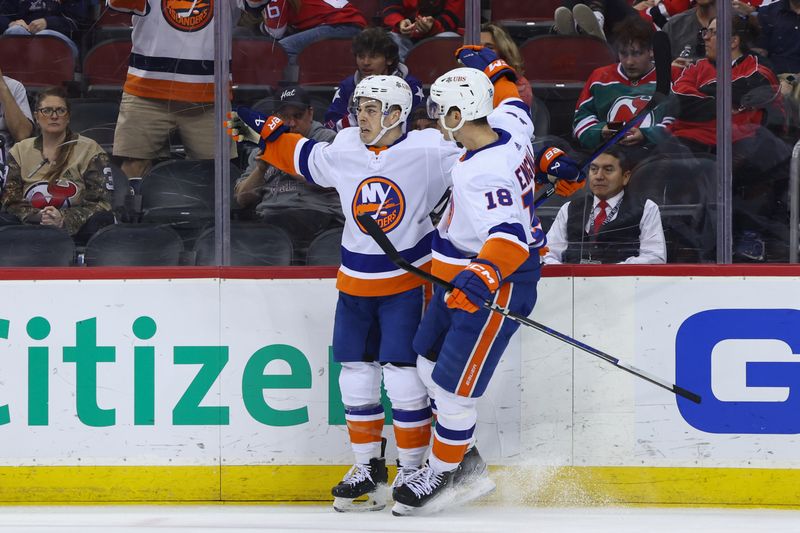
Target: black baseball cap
{"x": 294, "y": 96}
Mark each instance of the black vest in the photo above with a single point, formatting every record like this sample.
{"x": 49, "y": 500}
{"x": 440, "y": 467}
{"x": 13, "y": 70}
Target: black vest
{"x": 616, "y": 241}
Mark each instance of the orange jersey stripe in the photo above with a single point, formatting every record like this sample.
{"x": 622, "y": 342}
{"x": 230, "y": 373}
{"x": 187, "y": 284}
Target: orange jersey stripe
{"x": 416, "y": 437}
{"x": 378, "y": 287}
{"x": 365, "y": 432}
{"x": 507, "y": 255}
{"x": 280, "y": 152}
{"x": 484, "y": 344}
{"x": 445, "y": 271}
{"x": 449, "y": 453}
{"x": 169, "y": 89}
{"x": 504, "y": 88}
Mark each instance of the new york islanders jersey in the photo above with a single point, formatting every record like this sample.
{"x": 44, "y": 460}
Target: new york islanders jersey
{"x": 397, "y": 185}
{"x": 492, "y": 202}
{"x": 173, "y": 48}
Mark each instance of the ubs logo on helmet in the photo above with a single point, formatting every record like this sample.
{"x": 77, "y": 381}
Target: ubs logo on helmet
{"x": 188, "y": 15}
{"x": 382, "y": 199}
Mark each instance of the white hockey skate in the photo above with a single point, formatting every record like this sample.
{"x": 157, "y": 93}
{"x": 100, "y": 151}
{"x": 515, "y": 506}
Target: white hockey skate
{"x": 364, "y": 488}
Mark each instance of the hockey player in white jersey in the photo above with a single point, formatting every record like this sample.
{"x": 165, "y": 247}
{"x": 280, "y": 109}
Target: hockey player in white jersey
{"x": 397, "y": 178}
{"x": 487, "y": 243}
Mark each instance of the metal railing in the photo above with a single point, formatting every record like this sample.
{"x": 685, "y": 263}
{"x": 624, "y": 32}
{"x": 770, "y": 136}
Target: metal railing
{"x": 794, "y": 203}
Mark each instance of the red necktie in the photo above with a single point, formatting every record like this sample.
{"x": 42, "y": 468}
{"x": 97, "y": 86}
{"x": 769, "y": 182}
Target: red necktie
{"x": 600, "y": 218}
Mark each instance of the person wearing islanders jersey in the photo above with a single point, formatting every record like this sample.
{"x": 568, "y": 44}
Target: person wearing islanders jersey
{"x": 486, "y": 243}
{"x": 397, "y": 178}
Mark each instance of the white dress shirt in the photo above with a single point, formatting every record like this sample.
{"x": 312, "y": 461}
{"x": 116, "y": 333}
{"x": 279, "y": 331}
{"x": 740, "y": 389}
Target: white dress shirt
{"x": 652, "y": 247}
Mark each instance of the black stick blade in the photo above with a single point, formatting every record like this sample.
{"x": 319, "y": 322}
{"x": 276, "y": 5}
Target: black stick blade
{"x": 689, "y": 395}
{"x": 663, "y": 60}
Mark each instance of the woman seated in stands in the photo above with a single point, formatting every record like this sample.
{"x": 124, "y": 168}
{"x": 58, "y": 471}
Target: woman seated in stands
{"x": 498, "y": 39}
{"x": 58, "y": 178}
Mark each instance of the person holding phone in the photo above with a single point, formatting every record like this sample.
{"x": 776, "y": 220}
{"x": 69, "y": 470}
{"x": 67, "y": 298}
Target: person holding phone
{"x": 613, "y": 94}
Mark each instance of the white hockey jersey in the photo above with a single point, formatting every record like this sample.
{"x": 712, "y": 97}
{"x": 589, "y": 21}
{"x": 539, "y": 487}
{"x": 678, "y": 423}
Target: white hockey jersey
{"x": 492, "y": 201}
{"x": 173, "y": 48}
{"x": 398, "y": 185}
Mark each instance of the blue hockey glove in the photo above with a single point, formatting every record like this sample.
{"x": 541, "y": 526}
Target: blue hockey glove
{"x": 554, "y": 166}
{"x": 485, "y": 60}
{"x": 245, "y": 124}
{"x": 474, "y": 285}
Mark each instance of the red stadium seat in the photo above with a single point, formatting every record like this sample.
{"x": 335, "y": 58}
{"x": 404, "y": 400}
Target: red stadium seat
{"x": 257, "y": 65}
{"x": 564, "y": 60}
{"x": 36, "y": 61}
{"x": 326, "y": 62}
{"x": 432, "y": 57}
{"x": 105, "y": 66}
{"x": 536, "y": 11}
{"x": 370, "y": 9}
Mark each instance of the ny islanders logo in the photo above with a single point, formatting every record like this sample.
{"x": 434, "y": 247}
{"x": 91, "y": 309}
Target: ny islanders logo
{"x": 188, "y": 15}
{"x": 626, "y": 107}
{"x": 382, "y": 199}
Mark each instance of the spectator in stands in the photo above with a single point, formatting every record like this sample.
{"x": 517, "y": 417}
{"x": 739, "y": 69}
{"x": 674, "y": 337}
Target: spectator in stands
{"x": 44, "y": 17}
{"x": 59, "y": 178}
{"x": 420, "y": 120}
{"x": 754, "y": 89}
{"x": 497, "y": 38}
{"x": 591, "y": 17}
{"x": 16, "y": 121}
{"x": 414, "y": 20}
{"x": 780, "y": 35}
{"x": 298, "y": 23}
{"x": 170, "y": 83}
{"x": 760, "y": 158}
{"x": 607, "y": 226}
{"x": 684, "y": 31}
{"x": 376, "y": 54}
{"x": 302, "y": 208}
{"x": 613, "y": 94}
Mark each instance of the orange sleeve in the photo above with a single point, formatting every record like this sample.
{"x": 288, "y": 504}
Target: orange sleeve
{"x": 137, "y": 7}
{"x": 505, "y": 254}
{"x": 280, "y": 152}
{"x": 504, "y": 88}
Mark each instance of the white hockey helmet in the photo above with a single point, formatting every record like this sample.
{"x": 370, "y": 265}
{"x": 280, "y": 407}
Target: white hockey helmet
{"x": 389, "y": 91}
{"x": 467, "y": 89}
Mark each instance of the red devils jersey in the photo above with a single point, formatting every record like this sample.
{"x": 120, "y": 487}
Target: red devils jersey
{"x": 610, "y": 96}
{"x": 281, "y": 13}
{"x": 754, "y": 87}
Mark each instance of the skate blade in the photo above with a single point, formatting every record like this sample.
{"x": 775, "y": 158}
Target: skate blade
{"x": 449, "y": 499}
{"x": 374, "y": 501}
{"x": 478, "y": 488}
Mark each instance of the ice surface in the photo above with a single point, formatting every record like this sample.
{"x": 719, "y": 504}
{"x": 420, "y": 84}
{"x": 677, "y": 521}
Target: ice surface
{"x": 317, "y": 518}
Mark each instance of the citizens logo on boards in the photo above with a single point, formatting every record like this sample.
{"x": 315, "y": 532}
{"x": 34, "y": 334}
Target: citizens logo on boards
{"x": 745, "y": 363}
{"x": 188, "y": 15}
{"x": 382, "y": 199}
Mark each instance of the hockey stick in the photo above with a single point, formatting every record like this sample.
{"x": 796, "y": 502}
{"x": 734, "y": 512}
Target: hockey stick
{"x": 662, "y": 59}
{"x": 188, "y": 13}
{"x": 391, "y": 252}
